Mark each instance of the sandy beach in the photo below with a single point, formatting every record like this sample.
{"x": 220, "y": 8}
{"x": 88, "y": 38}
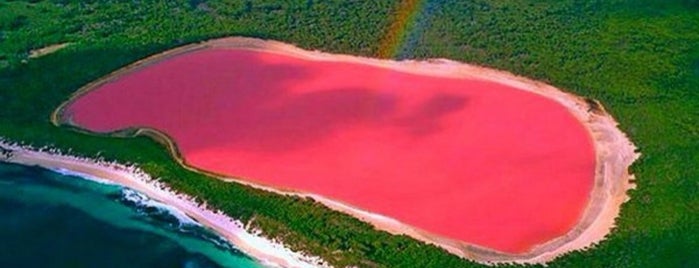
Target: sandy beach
{"x": 614, "y": 151}
{"x": 269, "y": 253}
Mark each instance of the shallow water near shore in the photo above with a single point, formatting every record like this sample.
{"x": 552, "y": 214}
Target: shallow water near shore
{"x": 58, "y": 220}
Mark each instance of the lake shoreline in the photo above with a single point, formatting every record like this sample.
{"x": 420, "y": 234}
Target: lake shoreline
{"x": 614, "y": 152}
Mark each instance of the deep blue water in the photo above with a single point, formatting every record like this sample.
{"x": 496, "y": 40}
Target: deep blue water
{"x": 52, "y": 220}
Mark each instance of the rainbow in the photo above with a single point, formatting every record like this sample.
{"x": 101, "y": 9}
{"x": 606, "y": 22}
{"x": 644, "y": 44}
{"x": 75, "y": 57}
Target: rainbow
{"x": 406, "y": 15}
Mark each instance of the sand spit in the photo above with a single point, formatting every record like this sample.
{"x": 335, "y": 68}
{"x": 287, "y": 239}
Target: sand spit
{"x": 614, "y": 151}
{"x": 269, "y": 253}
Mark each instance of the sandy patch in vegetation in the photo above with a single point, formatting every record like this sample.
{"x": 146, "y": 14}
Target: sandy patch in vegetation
{"x": 47, "y": 50}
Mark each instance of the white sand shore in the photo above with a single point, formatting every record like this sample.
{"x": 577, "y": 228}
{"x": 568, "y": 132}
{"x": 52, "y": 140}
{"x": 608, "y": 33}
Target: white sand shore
{"x": 269, "y": 253}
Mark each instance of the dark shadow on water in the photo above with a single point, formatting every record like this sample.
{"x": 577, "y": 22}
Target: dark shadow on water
{"x": 265, "y": 115}
{"x": 425, "y": 120}
{"x": 294, "y": 121}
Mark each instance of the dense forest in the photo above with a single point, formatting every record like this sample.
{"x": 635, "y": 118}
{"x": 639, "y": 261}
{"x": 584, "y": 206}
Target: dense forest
{"x": 640, "y": 58}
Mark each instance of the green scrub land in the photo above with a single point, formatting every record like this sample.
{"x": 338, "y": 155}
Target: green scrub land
{"x": 639, "y": 58}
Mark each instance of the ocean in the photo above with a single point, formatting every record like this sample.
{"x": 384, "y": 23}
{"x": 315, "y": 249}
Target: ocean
{"x": 58, "y": 220}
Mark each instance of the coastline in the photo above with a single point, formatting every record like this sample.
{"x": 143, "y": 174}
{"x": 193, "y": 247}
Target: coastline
{"x": 267, "y": 252}
{"x": 614, "y": 151}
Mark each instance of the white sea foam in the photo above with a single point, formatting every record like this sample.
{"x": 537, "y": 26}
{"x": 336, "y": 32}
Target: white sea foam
{"x": 144, "y": 201}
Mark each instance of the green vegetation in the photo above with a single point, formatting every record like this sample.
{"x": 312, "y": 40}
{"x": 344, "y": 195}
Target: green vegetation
{"x": 640, "y": 58}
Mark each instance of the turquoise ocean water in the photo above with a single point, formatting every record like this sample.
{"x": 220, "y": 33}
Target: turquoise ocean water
{"x": 49, "y": 219}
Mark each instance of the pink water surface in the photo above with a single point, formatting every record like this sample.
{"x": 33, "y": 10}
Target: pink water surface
{"x": 470, "y": 160}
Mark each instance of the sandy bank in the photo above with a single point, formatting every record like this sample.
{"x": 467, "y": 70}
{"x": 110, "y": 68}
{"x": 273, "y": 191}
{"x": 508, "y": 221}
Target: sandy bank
{"x": 268, "y": 252}
{"x": 614, "y": 152}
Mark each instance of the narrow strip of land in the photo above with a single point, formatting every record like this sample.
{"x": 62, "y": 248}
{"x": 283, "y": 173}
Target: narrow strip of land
{"x": 266, "y": 251}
